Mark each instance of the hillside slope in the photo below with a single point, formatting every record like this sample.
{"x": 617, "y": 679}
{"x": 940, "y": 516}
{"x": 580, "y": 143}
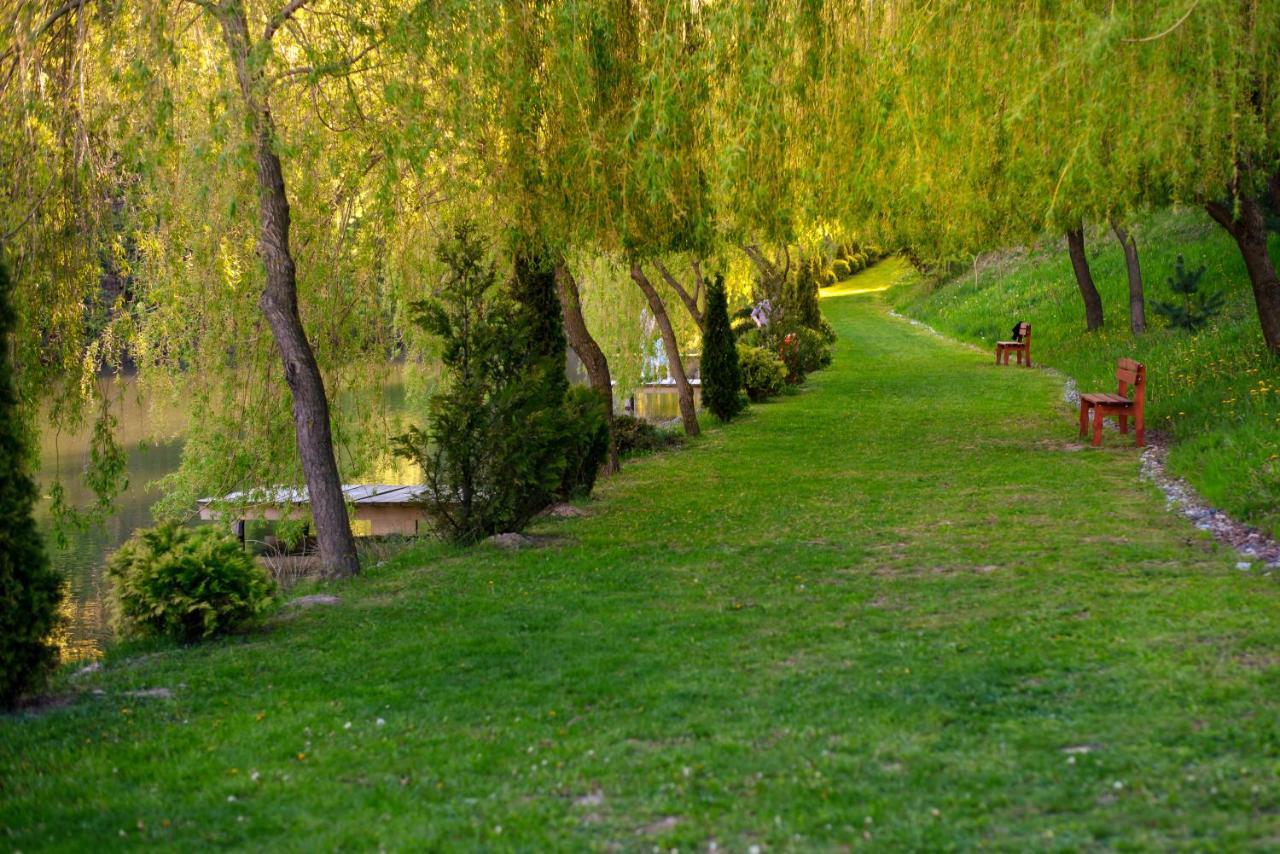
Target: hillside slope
{"x": 1215, "y": 393}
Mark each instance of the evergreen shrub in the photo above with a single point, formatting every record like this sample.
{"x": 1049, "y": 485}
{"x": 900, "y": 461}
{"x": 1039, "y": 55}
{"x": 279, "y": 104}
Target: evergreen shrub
{"x": 721, "y": 374}
{"x": 30, "y": 590}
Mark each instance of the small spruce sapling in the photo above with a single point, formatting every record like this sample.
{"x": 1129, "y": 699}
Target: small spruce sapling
{"x": 1197, "y": 307}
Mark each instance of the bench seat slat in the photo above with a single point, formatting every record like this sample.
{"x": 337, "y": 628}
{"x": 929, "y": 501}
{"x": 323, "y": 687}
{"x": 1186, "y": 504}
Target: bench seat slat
{"x": 1107, "y": 399}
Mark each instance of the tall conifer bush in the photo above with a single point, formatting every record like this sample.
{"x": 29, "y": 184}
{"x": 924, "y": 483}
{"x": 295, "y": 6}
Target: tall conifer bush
{"x": 30, "y": 590}
{"x": 721, "y": 373}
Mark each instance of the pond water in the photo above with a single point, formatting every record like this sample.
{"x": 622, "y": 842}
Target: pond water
{"x": 81, "y": 560}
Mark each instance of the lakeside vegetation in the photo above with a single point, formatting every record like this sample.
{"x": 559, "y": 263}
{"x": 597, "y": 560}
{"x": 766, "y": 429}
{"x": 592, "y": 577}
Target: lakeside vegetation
{"x": 933, "y": 639}
{"x": 1219, "y": 405}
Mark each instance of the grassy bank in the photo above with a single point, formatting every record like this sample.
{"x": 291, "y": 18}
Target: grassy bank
{"x": 1214, "y": 392}
{"x": 867, "y": 613}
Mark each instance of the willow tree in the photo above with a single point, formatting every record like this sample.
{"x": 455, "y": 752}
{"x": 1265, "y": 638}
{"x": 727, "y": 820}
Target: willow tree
{"x": 264, "y": 219}
{"x": 59, "y": 189}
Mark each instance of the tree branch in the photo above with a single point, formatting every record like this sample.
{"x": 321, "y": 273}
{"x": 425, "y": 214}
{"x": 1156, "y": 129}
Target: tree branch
{"x": 57, "y": 14}
{"x": 690, "y": 302}
{"x": 1222, "y": 215}
{"x": 278, "y": 20}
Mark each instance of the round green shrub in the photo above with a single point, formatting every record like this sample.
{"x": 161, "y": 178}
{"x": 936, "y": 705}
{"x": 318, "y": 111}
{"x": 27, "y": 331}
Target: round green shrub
{"x": 763, "y": 373}
{"x": 828, "y": 278}
{"x": 841, "y": 268}
{"x": 812, "y": 351}
{"x": 635, "y": 435}
{"x": 184, "y": 583}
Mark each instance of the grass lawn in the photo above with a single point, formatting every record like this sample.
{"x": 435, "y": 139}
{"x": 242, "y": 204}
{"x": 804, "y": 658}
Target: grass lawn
{"x": 1216, "y": 392}
{"x": 903, "y": 607}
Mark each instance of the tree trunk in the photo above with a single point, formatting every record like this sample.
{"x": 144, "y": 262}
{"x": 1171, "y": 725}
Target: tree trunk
{"x": 589, "y": 352}
{"x": 279, "y": 303}
{"x": 687, "y": 411}
{"x": 1137, "y": 305}
{"x": 1084, "y": 279}
{"x": 1250, "y": 232}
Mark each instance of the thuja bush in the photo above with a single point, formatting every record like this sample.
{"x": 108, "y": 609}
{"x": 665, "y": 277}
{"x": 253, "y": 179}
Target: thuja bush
{"x": 504, "y": 436}
{"x": 764, "y": 374}
{"x": 721, "y": 374}
{"x": 187, "y": 584}
{"x": 586, "y": 438}
{"x": 30, "y": 590}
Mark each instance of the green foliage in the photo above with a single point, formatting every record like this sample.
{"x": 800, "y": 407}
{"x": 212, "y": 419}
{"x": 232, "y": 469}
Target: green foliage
{"x": 812, "y": 352}
{"x": 586, "y": 440}
{"x": 840, "y": 269}
{"x": 186, "y": 584}
{"x": 764, "y": 375}
{"x": 637, "y": 436}
{"x": 30, "y": 590}
{"x": 800, "y": 300}
{"x": 721, "y": 374}
{"x": 1195, "y": 307}
{"x": 501, "y": 442}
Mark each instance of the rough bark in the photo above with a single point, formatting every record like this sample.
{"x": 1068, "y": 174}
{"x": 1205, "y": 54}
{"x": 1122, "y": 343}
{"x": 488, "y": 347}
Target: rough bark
{"x": 1249, "y": 229}
{"x": 690, "y": 300}
{"x": 1137, "y": 303}
{"x": 1084, "y": 279}
{"x": 279, "y": 304}
{"x": 589, "y": 352}
{"x": 688, "y": 413}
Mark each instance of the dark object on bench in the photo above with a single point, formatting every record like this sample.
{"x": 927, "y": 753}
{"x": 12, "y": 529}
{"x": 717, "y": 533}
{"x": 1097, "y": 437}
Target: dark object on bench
{"x": 1129, "y": 373}
{"x": 1020, "y": 344}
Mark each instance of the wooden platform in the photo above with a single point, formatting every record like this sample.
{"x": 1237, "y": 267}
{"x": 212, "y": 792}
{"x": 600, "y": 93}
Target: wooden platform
{"x": 387, "y": 508}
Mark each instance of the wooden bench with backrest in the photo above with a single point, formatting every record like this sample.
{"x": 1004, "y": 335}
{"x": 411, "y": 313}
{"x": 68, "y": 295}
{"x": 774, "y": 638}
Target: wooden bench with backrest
{"x": 1132, "y": 376}
{"x": 1021, "y": 344}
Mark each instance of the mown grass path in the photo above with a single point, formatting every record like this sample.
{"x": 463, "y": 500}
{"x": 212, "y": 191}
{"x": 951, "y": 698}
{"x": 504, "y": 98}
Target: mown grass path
{"x": 902, "y": 608}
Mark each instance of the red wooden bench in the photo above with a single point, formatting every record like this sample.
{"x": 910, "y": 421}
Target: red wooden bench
{"x": 1023, "y": 345}
{"x": 1131, "y": 375}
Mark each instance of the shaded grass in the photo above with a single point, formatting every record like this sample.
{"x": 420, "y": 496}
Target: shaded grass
{"x": 1216, "y": 393}
{"x": 868, "y": 612}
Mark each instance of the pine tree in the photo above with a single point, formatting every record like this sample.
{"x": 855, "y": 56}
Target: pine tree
{"x": 1197, "y": 307}
{"x": 30, "y": 590}
{"x": 721, "y": 373}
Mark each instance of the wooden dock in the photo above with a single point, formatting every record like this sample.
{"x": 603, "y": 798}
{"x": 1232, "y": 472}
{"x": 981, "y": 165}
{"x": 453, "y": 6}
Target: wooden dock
{"x": 387, "y": 508}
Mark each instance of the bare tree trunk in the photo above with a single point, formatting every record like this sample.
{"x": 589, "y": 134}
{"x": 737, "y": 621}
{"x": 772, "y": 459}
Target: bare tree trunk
{"x": 279, "y": 303}
{"x": 1137, "y": 304}
{"x": 1084, "y": 279}
{"x": 1250, "y": 232}
{"x": 688, "y": 413}
{"x": 580, "y": 339}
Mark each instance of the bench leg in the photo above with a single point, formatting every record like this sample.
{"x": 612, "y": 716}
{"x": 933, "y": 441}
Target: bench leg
{"x": 1084, "y": 418}
{"x": 1140, "y": 431}
{"x": 1019, "y": 358}
{"x": 998, "y": 349}
{"x": 1028, "y": 355}
{"x": 1124, "y": 422}
{"x": 1097, "y": 426}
